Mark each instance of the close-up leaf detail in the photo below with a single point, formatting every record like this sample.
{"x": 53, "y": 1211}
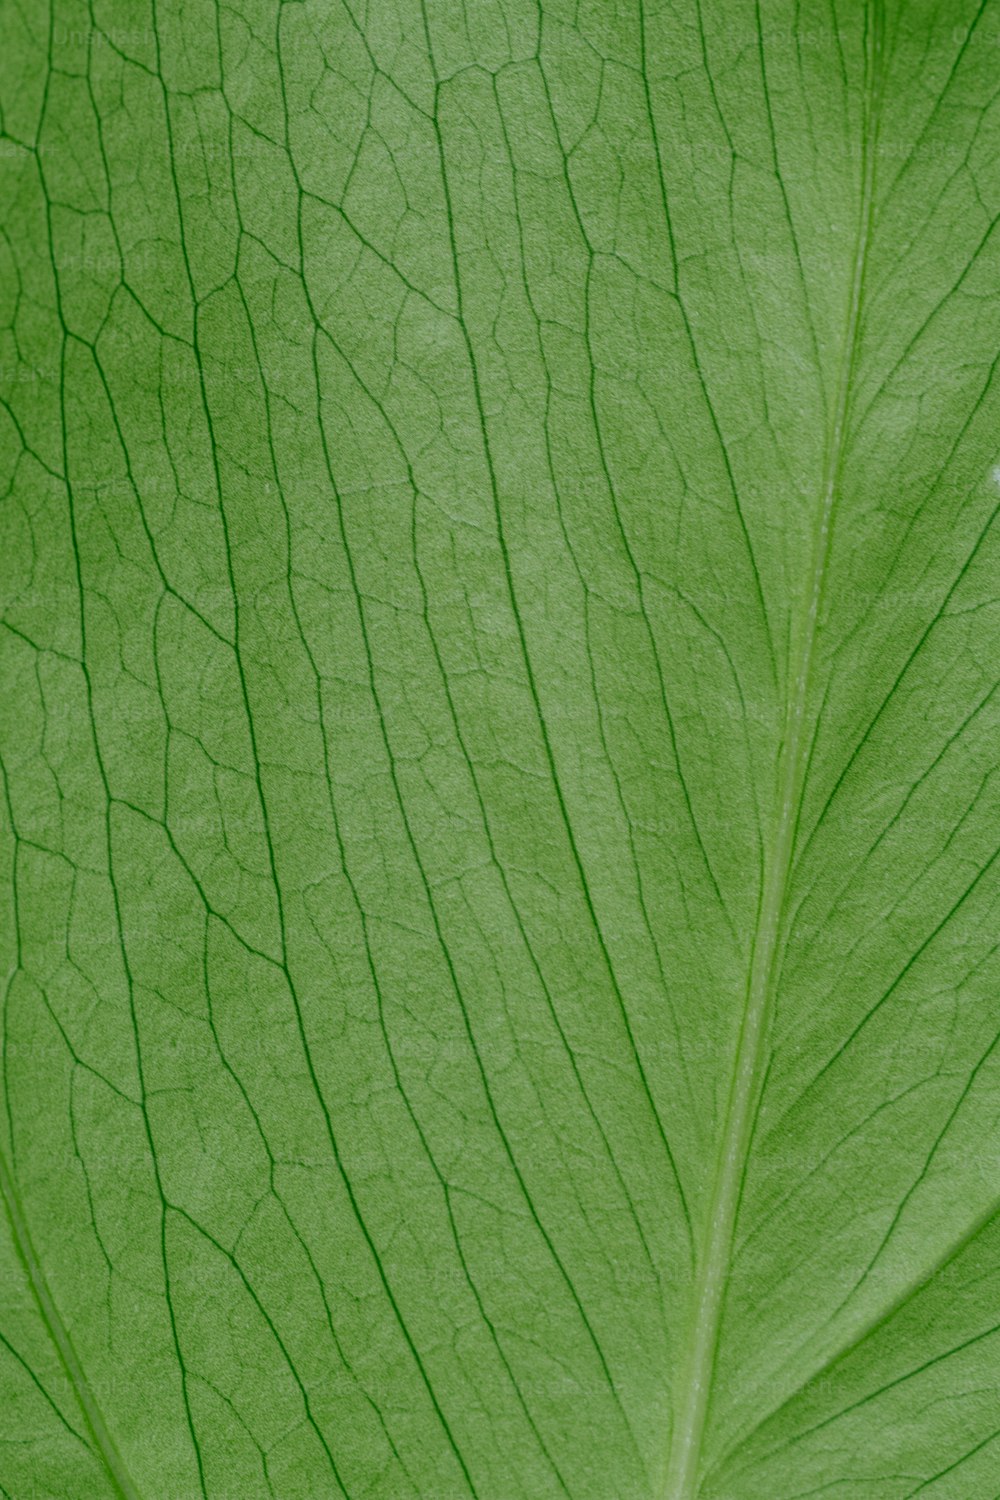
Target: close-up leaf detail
{"x": 499, "y": 635}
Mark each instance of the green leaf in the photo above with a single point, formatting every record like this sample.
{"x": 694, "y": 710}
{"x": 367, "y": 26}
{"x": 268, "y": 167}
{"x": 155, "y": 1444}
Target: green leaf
{"x": 499, "y": 750}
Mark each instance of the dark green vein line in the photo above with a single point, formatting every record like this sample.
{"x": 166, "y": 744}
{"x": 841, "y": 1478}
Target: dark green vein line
{"x": 491, "y": 844}
{"x": 284, "y": 964}
{"x": 439, "y": 933}
{"x": 466, "y": 1021}
{"x": 684, "y": 1468}
{"x": 874, "y": 1326}
{"x": 488, "y": 832}
{"x": 129, "y": 982}
{"x": 370, "y": 962}
{"x": 970, "y": 1453}
{"x": 17, "y": 1356}
{"x": 248, "y": 1287}
{"x": 105, "y": 1448}
{"x": 890, "y": 1385}
{"x": 938, "y": 928}
{"x": 769, "y": 107}
{"x": 913, "y": 154}
{"x": 338, "y": 837}
{"x": 446, "y": 952}
{"x": 692, "y": 344}
{"x": 532, "y": 683}
{"x": 609, "y": 483}
{"x": 939, "y": 614}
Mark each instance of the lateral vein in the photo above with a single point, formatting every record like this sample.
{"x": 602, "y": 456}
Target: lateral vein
{"x": 684, "y": 1468}
{"x": 104, "y": 1444}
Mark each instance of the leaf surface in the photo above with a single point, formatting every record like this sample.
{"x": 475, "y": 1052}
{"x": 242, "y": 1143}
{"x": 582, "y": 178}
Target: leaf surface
{"x": 499, "y": 749}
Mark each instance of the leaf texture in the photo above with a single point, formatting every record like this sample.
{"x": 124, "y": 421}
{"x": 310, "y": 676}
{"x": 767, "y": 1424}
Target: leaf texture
{"x": 499, "y": 750}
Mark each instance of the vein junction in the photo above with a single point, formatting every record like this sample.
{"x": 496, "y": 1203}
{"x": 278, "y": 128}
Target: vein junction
{"x": 683, "y": 1474}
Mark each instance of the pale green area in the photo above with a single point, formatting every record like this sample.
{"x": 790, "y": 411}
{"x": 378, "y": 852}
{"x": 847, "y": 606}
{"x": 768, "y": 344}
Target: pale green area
{"x": 499, "y": 741}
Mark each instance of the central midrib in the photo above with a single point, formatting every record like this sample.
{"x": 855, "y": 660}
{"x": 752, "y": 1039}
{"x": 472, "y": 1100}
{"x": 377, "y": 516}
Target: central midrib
{"x": 683, "y": 1472}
